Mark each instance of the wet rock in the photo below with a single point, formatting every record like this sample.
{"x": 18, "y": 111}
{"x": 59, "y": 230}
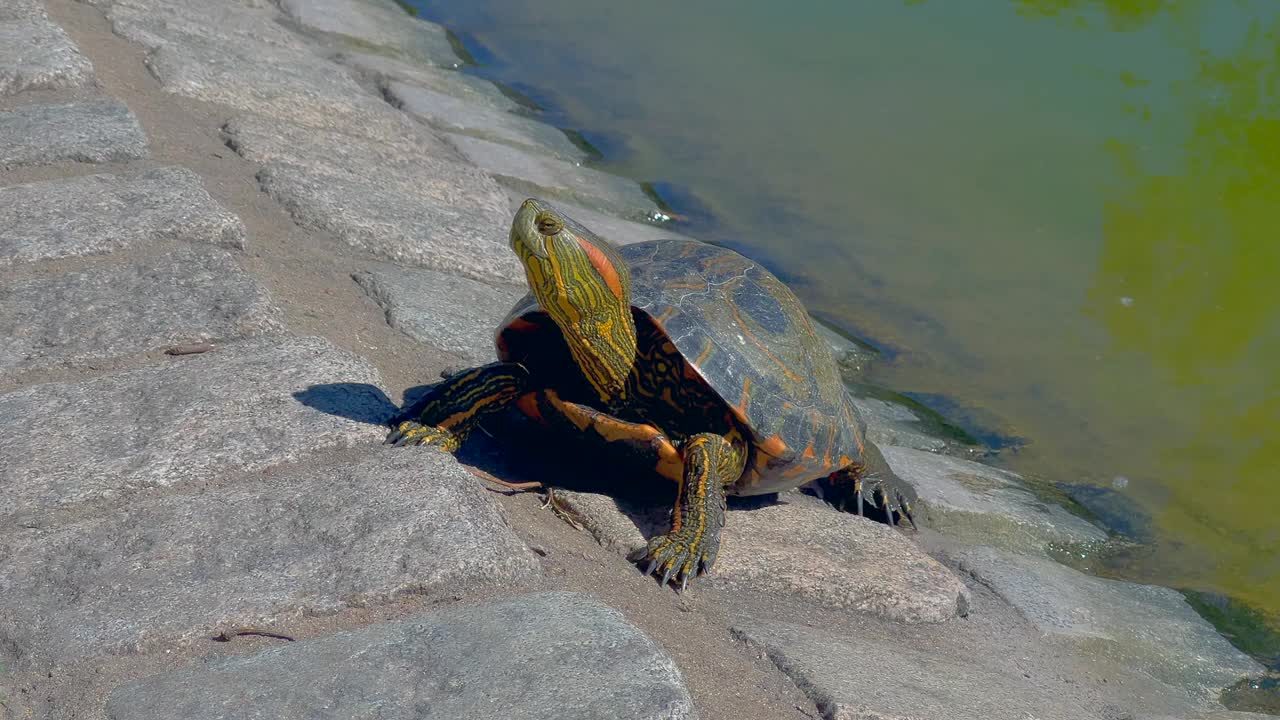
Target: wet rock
{"x": 290, "y": 85}
{"x": 471, "y": 119}
{"x": 984, "y": 504}
{"x": 246, "y": 406}
{"x": 451, "y": 313}
{"x": 537, "y": 175}
{"x": 802, "y": 547}
{"x": 381, "y": 23}
{"x": 97, "y": 214}
{"x": 1147, "y": 627}
{"x": 181, "y": 295}
{"x": 854, "y": 678}
{"x": 186, "y": 566}
{"x": 36, "y": 54}
{"x": 90, "y": 131}
{"x": 892, "y": 424}
{"x": 382, "y": 71}
{"x": 547, "y": 655}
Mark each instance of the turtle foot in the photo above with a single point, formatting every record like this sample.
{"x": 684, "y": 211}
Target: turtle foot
{"x": 411, "y": 432}
{"x": 888, "y": 495}
{"x": 680, "y": 555}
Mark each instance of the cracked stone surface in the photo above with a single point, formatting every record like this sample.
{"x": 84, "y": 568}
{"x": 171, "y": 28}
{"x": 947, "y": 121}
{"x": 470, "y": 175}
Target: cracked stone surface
{"x": 36, "y": 54}
{"x": 175, "y": 25}
{"x": 451, "y": 313}
{"x": 471, "y": 119}
{"x": 1148, "y": 627}
{"x": 180, "y": 567}
{"x": 383, "y": 70}
{"x": 180, "y": 295}
{"x": 556, "y": 654}
{"x": 543, "y": 176}
{"x": 97, "y": 214}
{"x": 985, "y": 504}
{"x": 801, "y": 547}
{"x": 89, "y": 131}
{"x": 245, "y": 406}
{"x": 380, "y": 23}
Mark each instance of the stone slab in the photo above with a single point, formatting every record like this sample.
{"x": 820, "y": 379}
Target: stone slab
{"x": 479, "y": 120}
{"x": 891, "y": 424}
{"x": 290, "y": 85}
{"x": 983, "y": 504}
{"x": 36, "y": 54}
{"x": 243, "y": 407}
{"x": 852, "y": 678}
{"x": 450, "y": 313}
{"x": 175, "y": 567}
{"x": 542, "y": 176}
{"x": 382, "y": 71}
{"x": 555, "y": 655}
{"x": 414, "y": 154}
{"x": 1147, "y": 627}
{"x": 181, "y": 295}
{"x": 176, "y": 25}
{"x": 13, "y": 10}
{"x": 97, "y": 214}
{"x": 800, "y": 547}
{"x": 380, "y": 23}
{"x": 89, "y": 131}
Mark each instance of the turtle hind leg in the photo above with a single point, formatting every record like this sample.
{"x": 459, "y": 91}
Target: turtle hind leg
{"x": 856, "y": 488}
{"x": 452, "y": 408}
{"x": 710, "y": 463}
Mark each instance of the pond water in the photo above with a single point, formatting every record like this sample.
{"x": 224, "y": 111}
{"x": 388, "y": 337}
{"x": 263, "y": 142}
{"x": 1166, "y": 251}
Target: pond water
{"x": 1060, "y": 218}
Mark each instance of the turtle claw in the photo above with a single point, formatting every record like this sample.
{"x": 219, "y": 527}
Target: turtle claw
{"x": 411, "y": 432}
{"x": 889, "y": 495}
{"x": 679, "y": 556}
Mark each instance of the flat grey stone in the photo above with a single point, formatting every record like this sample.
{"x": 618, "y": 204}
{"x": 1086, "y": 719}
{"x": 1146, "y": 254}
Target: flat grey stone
{"x": 451, "y": 313}
{"x": 97, "y": 214}
{"x": 1147, "y": 627}
{"x": 479, "y": 120}
{"x": 22, "y": 10}
{"x": 231, "y": 28}
{"x": 245, "y": 406}
{"x": 181, "y": 295}
{"x": 853, "y": 678}
{"x": 414, "y": 154}
{"x": 167, "y": 568}
{"x": 554, "y": 655}
{"x": 382, "y": 71}
{"x": 892, "y": 424}
{"x": 541, "y": 176}
{"x": 984, "y": 504}
{"x": 89, "y": 131}
{"x": 291, "y": 85}
{"x": 801, "y": 547}
{"x": 381, "y": 23}
{"x": 36, "y": 54}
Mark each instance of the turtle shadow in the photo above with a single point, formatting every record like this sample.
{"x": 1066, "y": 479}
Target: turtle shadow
{"x": 359, "y": 402}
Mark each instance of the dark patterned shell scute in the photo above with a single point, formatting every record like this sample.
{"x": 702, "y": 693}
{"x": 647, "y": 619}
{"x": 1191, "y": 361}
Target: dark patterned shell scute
{"x": 752, "y": 341}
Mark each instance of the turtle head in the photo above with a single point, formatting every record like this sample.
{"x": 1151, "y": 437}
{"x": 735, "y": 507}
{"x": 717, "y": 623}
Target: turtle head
{"x": 583, "y": 283}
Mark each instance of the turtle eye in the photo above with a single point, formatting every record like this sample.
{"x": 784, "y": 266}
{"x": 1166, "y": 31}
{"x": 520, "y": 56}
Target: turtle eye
{"x": 549, "y": 224}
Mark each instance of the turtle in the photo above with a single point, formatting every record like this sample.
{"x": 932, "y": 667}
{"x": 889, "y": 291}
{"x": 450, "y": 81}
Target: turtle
{"x": 676, "y": 355}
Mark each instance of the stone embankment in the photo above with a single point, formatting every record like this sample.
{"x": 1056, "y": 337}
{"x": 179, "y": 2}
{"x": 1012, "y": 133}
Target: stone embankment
{"x": 233, "y": 233}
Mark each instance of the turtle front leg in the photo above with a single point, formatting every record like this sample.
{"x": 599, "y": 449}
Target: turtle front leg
{"x": 453, "y": 408}
{"x": 710, "y": 463}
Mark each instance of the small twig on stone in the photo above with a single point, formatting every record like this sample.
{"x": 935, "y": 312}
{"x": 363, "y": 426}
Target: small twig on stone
{"x": 227, "y": 635}
{"x": 189, "y": 349}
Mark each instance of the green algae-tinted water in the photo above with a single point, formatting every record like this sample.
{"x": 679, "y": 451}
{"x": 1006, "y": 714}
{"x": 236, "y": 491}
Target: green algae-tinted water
{"x": 1060, "y": 216}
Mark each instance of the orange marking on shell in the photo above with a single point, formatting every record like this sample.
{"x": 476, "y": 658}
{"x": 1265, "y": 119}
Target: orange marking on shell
{"x": 607, "y": 271}
{"x": 773, "y": 446}
{"x": 845, "y": 460}
{"x": 746, "y": 396}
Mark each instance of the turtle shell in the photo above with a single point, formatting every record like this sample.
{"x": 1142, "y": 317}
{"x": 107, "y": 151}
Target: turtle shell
{"x": 748, "y": 336}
